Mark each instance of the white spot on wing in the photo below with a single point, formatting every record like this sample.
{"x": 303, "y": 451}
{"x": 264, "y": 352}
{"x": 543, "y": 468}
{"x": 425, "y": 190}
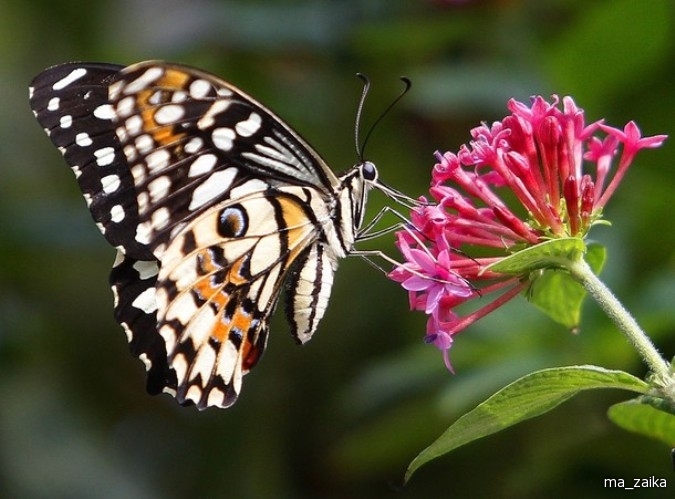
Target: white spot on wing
{"x": 146, "y": 269}
{"x": 216, "y": 397}
{"x": 194, "y": 394}
{"x": 143, "y": 233}
{"x": 53, "y": 104}
{"x": 138, "y": 171}
{"x": 144, "y": 144}
{"x": 134, "y": 124}
{"x": 104, "y": 156}
{"x": 158, "y": 159}
{"x": 104, "y": 112}
{"x": 160, "y": 218}
{"x": 71, "y": 77}
{"x": 199, "y": 89}
{"x": 178, "y": 96}
{"x": 250, "y": 126}
{"x": 83, "y": 139}
{"x": 146, "y": 79}
{"x": 169, "y": 114}
{"x": 179, "y": 362}
{"x": 126, "y": 106}
{"x": 119, "y": 258}
{"x": 127, "y": 329}
{"x": 193, "y": 145}
{"x": 218, "y": 183}
{"x": 146, "y": 301}
{"x": 129, "y": 150}
{"x": 143, "y": 201}
{"x": 110, "y": 183}
{"x": 208, "y": 119}
{"x": 203, "y": 164}
{"x": 159, "y": 188}
{"x": 146, "y": 361}
{"x": 117, "y": 213}
{"x": 66, "y": 121}
{"x": 223, "y": 138}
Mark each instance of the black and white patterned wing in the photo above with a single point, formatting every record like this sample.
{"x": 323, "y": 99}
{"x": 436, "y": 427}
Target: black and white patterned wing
{"x": 194, "y": 301}
{"x": 217, "y": 289}
{"x": 193, "y": 140}
{"x": 70, "y": 101}
{"x": 197, "y": 146}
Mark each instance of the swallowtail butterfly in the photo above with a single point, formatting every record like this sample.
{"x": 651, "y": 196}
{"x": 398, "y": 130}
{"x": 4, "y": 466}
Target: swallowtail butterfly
{"x": 213, "y": 204}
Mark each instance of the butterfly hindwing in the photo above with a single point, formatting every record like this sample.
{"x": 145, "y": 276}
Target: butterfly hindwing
{"x": 133, "y": 283}
{"x": 219, "y": 283}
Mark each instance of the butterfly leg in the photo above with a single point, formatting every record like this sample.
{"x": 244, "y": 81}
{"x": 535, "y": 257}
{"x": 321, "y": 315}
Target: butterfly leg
{"x": 367, "y": 232}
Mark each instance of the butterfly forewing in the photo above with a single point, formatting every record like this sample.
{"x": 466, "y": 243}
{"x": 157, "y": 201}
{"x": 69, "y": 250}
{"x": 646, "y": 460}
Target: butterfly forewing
{"x": 192, "y": 140}
{"x": 70, "y": 101}
{"x": 213, "y": 203}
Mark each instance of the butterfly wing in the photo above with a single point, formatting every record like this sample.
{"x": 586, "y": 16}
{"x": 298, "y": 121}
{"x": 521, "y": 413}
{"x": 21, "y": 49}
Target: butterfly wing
{"x": 133, "y": 283}
{"x": 219, "y": 283}
{"x": 192, "y": 140}
{"x": 70, "y": 101}
{"x": 193, "y": 292}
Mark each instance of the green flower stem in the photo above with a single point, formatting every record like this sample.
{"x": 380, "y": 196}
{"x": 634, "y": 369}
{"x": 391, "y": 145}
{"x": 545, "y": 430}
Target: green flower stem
{"x": 581, "y": 271}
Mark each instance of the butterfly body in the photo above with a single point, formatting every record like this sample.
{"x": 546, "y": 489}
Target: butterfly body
{"x": 214, "y": 205}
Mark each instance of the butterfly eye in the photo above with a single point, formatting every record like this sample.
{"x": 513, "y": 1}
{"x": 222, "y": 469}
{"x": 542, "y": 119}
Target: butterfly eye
{"x": 369, "y": 171}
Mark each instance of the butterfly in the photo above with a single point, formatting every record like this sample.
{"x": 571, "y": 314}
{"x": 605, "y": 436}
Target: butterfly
{"x": 214, "y": 204}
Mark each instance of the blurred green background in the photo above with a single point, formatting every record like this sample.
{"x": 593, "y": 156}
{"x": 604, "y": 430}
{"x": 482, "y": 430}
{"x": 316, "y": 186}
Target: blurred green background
{"x": 342, "y": 416}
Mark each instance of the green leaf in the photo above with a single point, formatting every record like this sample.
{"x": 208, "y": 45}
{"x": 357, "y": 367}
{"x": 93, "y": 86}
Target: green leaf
{"x": 662, "y": 404}
{"x": 527, "y": 397}
{"x": 553, "y": 290}
{"x": 548, "y": 254}
{"x": 559, "y": 296}
{"x": 640, "y": 417}
{"x": 595, "y": 256}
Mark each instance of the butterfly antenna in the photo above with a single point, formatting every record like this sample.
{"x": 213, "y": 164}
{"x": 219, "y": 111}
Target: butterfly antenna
{"x": 407, "y": 84}
{"x": 359, "y": 111}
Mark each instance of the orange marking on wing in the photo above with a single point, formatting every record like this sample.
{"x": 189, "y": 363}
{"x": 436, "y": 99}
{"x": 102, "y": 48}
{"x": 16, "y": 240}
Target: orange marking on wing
{"x": 221, "y": 331}
{"x": 205, "y": 287}
{"x": 299, "y": 227}
{"x": 293, "y": 213}
{"x": 173, "y": 79}
{"x": 163, "y": 135}
{"x": 241, "y": 321}
{"x": 234, "y": 275}
{"x": 295, "y": 236}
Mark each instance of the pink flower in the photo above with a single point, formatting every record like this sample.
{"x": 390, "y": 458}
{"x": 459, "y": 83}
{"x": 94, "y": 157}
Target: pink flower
{"x": 558, "y": 170}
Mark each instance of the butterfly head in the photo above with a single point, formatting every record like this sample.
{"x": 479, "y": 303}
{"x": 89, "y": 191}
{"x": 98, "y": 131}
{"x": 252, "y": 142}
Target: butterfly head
{"x": 368, "y": 171}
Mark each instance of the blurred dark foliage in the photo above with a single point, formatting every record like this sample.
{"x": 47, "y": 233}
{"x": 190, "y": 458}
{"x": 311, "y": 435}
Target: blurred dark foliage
{"x": 343, "y": 415}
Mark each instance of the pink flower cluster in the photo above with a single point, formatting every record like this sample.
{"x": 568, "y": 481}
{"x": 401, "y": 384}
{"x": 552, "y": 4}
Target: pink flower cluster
{"x": 557, "y": 174}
